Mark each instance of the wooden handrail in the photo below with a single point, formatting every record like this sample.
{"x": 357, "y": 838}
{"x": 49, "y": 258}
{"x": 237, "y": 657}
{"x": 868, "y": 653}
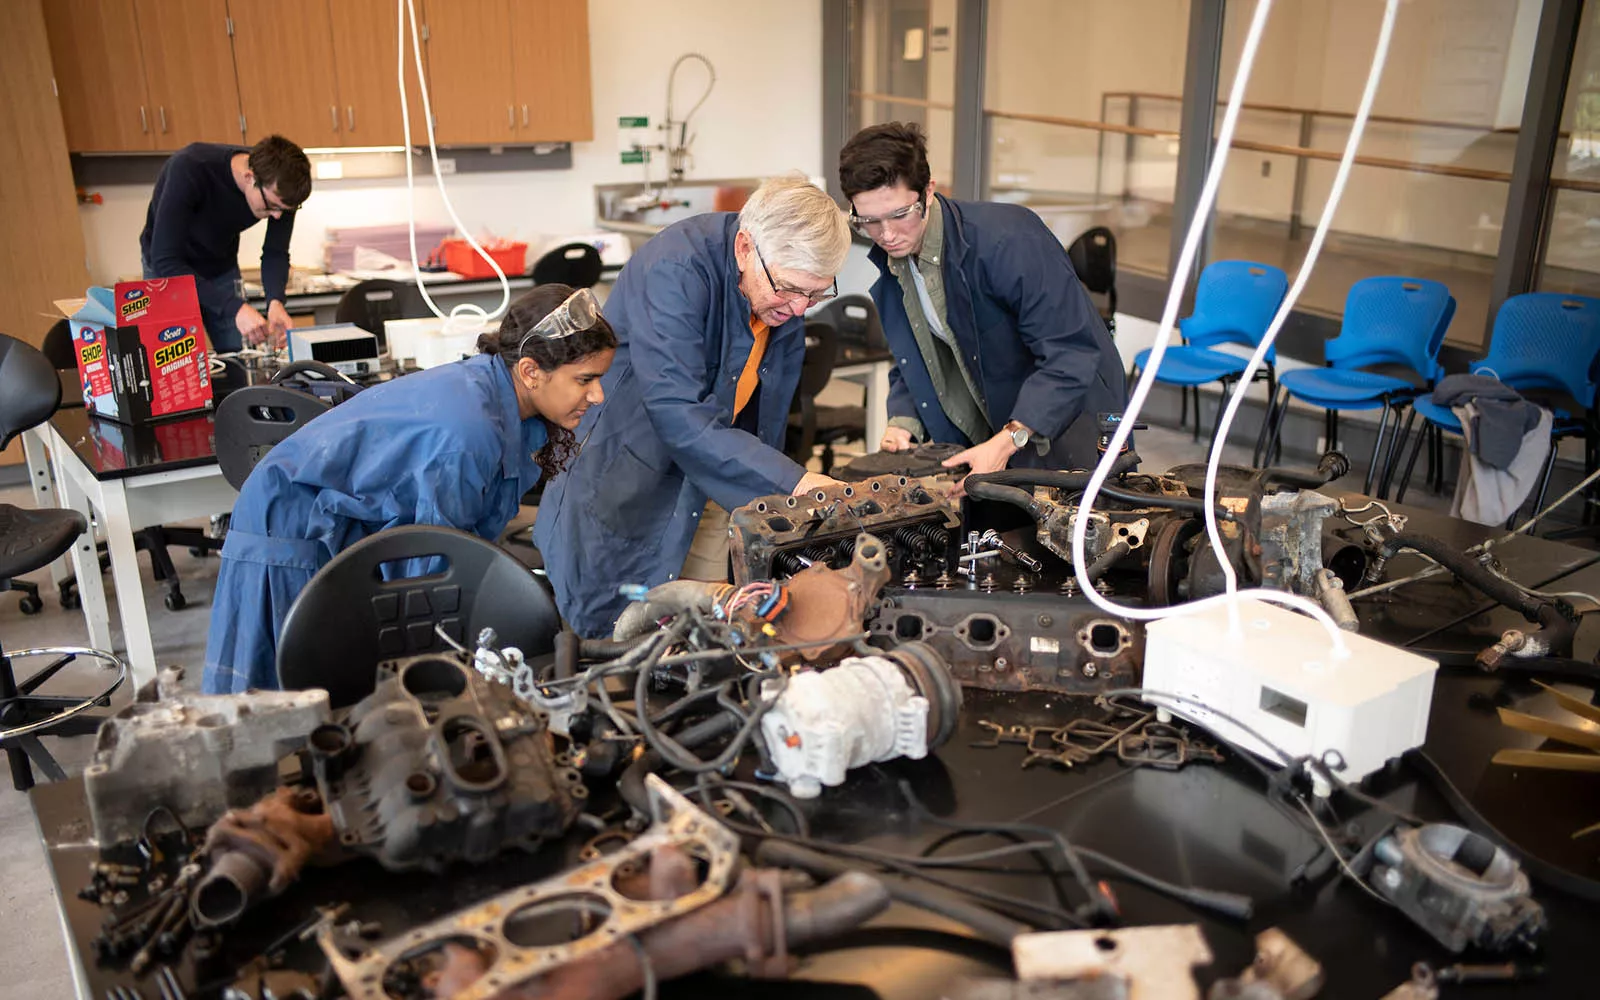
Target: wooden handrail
{"x": 1323, "y": 113}
{"x": 1574, "y": 184}
{"x": 915, "y": 102}
{"x": 1382, "y": 162}
{"x": 1086, "y": 123}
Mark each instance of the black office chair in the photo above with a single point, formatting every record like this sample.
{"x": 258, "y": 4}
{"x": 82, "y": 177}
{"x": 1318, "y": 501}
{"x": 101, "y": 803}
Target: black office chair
{"x": 250, "y": 421}
{"x": 371, "y": 302}
{"x": 856, "y": 320}
{"x": 1094, "y": 257}
{"x": 157, "y": 538}
{"x": 349, "y": 619}
{"x": 31, "y": 539}
{"x": 574, "y": 264}
{"x": 57, "y": 346}
{"x": 822, "y": 345}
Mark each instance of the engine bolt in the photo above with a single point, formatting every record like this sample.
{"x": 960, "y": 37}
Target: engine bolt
{"x": 1001, "y": 663}
{"x": 1090, "y": 670}
{"x": 1045, "y": 621}
{"x": 911, "y": 580}
{"x": 988, "y": 583}
{"x": 1069, "y": 587}
{"x": 1022, "y": 584}
{"x": 1102, "y": 586}
{"x": 943, "y": 583}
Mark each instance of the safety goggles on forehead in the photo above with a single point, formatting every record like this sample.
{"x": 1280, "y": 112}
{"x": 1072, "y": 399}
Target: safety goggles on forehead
{"x": 874, "y": 226}
{"x": 580, "y": 312}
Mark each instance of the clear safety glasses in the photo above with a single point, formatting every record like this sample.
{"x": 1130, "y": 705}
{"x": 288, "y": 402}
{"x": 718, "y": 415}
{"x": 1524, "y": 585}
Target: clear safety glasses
{"x": 581, "y": 311}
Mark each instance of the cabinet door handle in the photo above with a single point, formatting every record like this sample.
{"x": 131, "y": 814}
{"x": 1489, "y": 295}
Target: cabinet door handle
{"x": 511, "y": 116}
{"x": 350, "y": 115}
{"x": 144, "y": 122}
{"x": 524, "y": 116}
{"x": 333, "y": 113}
{"x": 162, "y": 109}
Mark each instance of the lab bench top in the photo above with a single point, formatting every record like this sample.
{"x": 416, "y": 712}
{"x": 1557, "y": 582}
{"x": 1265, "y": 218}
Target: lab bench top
{"x": 1204, "y": 825}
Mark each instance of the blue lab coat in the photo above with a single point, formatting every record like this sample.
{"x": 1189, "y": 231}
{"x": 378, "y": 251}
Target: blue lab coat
{"x": 445, "y": 446}
{"x": 1026, "y": 329}
{"x": 627, "y": 508}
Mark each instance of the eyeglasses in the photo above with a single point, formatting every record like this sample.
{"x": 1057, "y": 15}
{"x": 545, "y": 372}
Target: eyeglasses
{"x": 814, "y": 298}
{"x": 899, "y": 218}
{"x": 580, "y": 311}
{"x": 266, "y": 200}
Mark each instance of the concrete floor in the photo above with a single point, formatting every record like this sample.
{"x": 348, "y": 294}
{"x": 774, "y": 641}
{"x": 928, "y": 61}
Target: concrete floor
{"x": 32, "y": 953}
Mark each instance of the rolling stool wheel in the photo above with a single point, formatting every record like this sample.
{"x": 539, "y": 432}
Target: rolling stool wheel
{"x": 30, "y": 605}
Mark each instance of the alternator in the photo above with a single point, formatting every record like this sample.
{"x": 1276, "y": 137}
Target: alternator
{"x": 866, "y": 709}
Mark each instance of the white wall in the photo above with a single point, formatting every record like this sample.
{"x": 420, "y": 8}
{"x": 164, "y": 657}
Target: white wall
{"x": 763, "y": 118}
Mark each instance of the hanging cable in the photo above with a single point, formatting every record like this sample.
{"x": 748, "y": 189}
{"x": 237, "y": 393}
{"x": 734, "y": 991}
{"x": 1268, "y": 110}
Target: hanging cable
{"x": 467, "y": 316}
{"x": 1335, "y": 194}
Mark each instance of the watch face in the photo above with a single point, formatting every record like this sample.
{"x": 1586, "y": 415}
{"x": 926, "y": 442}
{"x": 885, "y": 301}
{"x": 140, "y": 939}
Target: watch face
{"x": 1019, "y": 437}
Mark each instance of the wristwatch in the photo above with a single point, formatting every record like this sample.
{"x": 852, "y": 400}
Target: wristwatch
{"x": 1020, "y": 434}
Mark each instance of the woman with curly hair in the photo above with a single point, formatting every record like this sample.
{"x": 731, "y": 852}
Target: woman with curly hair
{"x": 456, "y": 445}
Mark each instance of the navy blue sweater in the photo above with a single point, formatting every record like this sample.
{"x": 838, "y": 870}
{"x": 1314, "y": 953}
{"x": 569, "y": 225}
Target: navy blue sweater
{"x": 196, "y": 215}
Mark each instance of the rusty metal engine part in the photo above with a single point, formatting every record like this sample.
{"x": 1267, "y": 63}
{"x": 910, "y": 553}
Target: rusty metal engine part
{"x": 257, "y": 852}
{"x": 866, "y": 709}
{"x": 1421, "y": 986}
{"x": 1029, "y": 642}
{"x": 1334, "y": 600}
{"x": 440, "y": 764}
{"x": 494, "y": 926}
{"x": 814, "y": 610}
{"x": 778, "y": 536}
{"x": 199, "y": 754}
{"x": 1457, "y": 886}
{"x": 1147, "y": 961}
{"x": 1281, "y": 971}
{"x": 757, "y": 922}
{"x": 827, "y": 606}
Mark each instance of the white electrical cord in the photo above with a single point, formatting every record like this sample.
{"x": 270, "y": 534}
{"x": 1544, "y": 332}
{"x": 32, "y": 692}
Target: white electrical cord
{"x": 1335, "y": 193}
{"x": 1119, "y": 438}
{"x": 466, "y": 317}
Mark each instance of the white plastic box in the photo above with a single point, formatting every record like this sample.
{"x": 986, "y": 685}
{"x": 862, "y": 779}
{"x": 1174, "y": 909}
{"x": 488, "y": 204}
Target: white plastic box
{"x": 1280, "y": 678}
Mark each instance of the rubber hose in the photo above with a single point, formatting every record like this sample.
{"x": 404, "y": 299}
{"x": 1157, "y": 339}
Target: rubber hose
{"x": 989, "y": 925}
{"x": 1075, "y": 481}
{"x": 1333, "y": 465}
{"x": 1468, "y": 569}
{"x": 631, "y": 785}
{"x": 609, "y": 649}
{"x": 1107, "y": 559}
{"x": 566, "y": 654}
{"x": 1015, "y": 496}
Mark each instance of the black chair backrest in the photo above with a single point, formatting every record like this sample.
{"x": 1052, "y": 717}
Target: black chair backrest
{"x": 1094, "y": 257}
{"x": 251, "y": 420}
{"x": 856, "y": 320}
{"x": 30, "y": 389}
{"x": 822, "y": 353}
{"x": 575, "y": 264}
{"x": 349, "y": 619}
{"x": 57, "y": 346}
{"x": 371, "y": 302}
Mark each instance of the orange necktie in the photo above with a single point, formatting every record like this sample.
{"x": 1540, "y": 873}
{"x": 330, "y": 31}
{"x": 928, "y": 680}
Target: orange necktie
{"x": 752, "y": 367}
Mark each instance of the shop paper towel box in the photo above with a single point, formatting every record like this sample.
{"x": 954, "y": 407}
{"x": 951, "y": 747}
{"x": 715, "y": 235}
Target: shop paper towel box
{"x": 141, "y": 350}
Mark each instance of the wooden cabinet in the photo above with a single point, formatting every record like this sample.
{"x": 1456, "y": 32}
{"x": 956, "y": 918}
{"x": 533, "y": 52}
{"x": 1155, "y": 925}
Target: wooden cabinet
{"x": 284, "y": 53}
{"x": 41, "y": 239}
{"x": 469, "y": 71}
{"x": 99, "y": 73}
{"x": 188, "y": 65}
{"x": 550, "y": 67}
{"x": 155, "y": 75}
{"x": 364, "y": 39}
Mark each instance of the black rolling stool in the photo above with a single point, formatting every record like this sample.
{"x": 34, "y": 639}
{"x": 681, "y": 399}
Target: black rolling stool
{"x": 575, "y": 264}
{"x": 31, "y": 539}
{"x": 349, "y": 619}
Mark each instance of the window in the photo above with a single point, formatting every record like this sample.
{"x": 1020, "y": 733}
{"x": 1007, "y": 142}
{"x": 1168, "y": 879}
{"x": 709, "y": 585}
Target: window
{"x": 1427, "y": 196}
{"x": 1081, "y": 104}
{"x": 1571, "y": 255}
{"x": 903, "y": 68}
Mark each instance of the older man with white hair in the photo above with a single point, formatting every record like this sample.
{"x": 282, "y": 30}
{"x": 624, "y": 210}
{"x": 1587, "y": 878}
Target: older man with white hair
{"x": 708, "y": 316}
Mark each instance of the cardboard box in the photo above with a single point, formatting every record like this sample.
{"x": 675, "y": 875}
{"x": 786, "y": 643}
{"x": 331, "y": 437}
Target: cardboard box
{"x": 141, "y": 350}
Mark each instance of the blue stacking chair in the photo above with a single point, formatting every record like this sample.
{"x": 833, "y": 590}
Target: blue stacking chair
{"x": 1386, "y": 354}
{"x": 1545, "y": 345}
{"x": 1234, "y": 303}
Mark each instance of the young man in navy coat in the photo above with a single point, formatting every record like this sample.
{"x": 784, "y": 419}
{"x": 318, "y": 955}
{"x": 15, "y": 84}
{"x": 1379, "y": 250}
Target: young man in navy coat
{"x": 996, "y": 344}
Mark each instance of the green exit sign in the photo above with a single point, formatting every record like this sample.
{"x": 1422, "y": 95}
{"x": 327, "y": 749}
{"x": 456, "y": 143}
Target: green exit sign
{"x": 635, "y": 156}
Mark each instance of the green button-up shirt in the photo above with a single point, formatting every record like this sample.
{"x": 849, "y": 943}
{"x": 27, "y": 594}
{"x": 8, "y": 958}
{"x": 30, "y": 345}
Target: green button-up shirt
{"x": 922, "y": 288}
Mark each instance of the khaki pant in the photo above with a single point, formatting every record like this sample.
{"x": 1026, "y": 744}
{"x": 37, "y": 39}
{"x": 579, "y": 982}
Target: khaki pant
{"x": 708, "y": 552}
